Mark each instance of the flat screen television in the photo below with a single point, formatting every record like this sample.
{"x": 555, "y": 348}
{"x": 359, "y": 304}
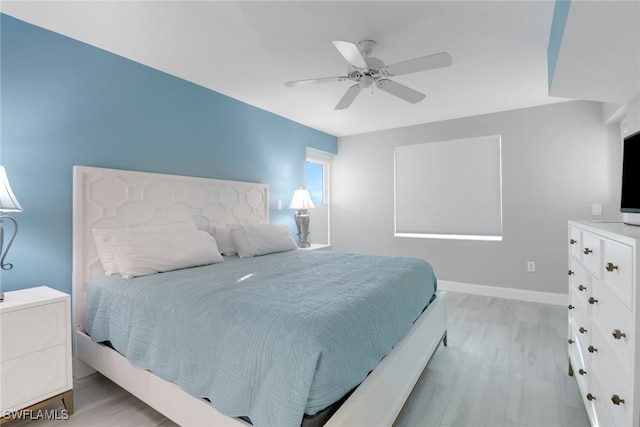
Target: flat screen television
{"x": 630, "y": 197}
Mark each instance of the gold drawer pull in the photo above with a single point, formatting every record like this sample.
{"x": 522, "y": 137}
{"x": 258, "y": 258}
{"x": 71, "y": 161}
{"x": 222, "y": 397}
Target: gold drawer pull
{"x": 573, "y": 241}
{"x": 616, "y": 399}
{"x": 592, "y": 349}
{"x": 582, "y": 372}
{"x": 610, "y": 267}
{"x": 582, "y": 287}
{"x": 617, "y": 334}
{"x": 582, "y": 330}
{"x": 590, "y": 397}
{"x": 592, "y": 300}
{"x": 587, "y": 251}
{"x": 571, "y": 341}
{"x": 570, "y": 307}
{"x": 570, "y": 272}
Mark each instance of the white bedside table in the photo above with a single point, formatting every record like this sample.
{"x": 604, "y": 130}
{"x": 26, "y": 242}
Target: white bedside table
{"x": 317, "y": 247}
{"x": 35, "y": 351}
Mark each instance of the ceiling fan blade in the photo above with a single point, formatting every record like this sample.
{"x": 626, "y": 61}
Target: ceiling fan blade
{"x": 313, "y": 81}
{"x": 348, "y": 97}
{"x": 424, "y": 63}
{"x": 351, "y": 53}
{"x": 401, "y": 91}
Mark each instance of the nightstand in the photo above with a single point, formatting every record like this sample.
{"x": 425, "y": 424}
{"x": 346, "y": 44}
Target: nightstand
{"x": 35, "y": 351}
{"x": 317, "y": 247}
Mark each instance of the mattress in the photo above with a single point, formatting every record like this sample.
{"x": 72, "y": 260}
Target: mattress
{"x": 270, "y": 338}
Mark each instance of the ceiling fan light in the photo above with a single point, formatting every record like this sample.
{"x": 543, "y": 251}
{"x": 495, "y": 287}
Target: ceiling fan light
{"x": 365, "y": 81}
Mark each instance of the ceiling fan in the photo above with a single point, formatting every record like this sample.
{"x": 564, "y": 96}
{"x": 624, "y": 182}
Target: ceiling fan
{"x": 368, "y": 71}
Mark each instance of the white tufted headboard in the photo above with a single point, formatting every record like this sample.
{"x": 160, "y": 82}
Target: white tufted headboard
{"x": 105, "y": 198}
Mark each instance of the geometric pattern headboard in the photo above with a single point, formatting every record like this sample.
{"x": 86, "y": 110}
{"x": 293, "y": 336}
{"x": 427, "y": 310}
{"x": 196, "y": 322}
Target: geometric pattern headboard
{"x": 110, "y": 198}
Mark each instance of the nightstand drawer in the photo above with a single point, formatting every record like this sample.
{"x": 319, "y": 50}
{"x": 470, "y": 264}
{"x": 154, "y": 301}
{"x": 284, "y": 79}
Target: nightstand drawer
{"x": 317, "y": 247}
{"x": 33, "y": 329}
{"x": 34, "y": 377}
{"x": 35, "y": 344}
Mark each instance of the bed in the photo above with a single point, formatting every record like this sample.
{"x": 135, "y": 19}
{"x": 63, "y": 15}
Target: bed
{"x": 105, "y": 198}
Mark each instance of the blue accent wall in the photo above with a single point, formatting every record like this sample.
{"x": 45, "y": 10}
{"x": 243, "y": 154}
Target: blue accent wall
{"x": 66, "y": 103}
{"x": 560, "y": 15}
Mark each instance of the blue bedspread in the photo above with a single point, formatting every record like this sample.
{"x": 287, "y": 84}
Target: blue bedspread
{"x": 270, "y": 337}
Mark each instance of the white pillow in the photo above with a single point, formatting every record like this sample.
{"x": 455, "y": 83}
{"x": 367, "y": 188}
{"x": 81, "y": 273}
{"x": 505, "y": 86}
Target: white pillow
{"x": 143, "y": 254}
{"x": 262, "y": 239}
{"x": 222, "y": 234}
{"x": 104, "y": 251}
{"x": 241, "y": 243}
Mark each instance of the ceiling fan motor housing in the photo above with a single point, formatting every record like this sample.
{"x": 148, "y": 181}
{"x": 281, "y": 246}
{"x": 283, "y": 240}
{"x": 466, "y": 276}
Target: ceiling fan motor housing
{"x": 372, "y": 72}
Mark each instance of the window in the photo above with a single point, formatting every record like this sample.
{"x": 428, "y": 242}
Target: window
{"x": 317, "y": 176}
{"x": 449, "y": 190}
{"x": 315, "y": 181}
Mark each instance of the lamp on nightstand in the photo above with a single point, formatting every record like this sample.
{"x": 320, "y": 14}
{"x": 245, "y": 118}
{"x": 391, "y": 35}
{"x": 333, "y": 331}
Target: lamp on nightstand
{"x": 301, "y": 202}
{"x": 8, "y": 203}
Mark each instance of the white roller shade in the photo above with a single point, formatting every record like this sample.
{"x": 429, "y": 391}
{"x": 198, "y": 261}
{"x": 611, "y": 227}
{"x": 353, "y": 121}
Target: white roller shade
{"x": 449, "y": 189}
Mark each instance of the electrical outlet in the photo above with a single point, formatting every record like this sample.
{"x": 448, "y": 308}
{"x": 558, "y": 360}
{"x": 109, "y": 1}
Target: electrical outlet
{"x": 531, "y": 266}
{"x": 279, "y": 205}
{"x": 596, "y": 209}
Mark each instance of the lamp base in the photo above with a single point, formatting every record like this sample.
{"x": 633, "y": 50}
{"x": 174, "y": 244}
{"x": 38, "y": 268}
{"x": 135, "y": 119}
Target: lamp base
{"x": 302, "y": 222}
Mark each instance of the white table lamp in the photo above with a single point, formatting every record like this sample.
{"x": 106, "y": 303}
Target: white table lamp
{"x": 301, "y": 202}
{"x": 8, "y": 203}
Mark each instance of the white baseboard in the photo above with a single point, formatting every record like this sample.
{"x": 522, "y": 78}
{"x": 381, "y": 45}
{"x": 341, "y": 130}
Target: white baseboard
{"x": 508, "y": 293}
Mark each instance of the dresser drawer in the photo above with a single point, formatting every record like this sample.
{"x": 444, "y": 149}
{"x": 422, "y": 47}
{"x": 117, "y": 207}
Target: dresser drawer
{"x": 579, "y": 280}
{"x": 592, "y": 253}
{"x": 599, "y": 407}
{"x": 615, "y": 323}
{"x": 578, "y": 364}
{"x": 575, "y": 242}
{"x": 33, "y": 329}
{"x": 579, "y": 322}
{"x": 579, "y": 308}
{"x": 618, "y": 270}
{"x": 611, "y": 380}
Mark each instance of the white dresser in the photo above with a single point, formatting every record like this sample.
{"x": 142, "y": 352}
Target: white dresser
{"x": 35, "y": 350}
{"x": 604, "y": 354}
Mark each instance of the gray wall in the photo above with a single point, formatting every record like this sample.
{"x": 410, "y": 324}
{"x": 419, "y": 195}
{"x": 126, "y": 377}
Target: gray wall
{"x": 557, "y": 161}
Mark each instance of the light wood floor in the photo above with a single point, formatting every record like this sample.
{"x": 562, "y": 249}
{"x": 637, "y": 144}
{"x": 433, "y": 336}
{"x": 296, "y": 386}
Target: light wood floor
{"x": 505, "y": 365}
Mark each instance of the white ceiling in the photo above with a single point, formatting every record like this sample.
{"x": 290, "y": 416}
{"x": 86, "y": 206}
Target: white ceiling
{"x": 600, "y": 54}
{"x": 247, "y": 50}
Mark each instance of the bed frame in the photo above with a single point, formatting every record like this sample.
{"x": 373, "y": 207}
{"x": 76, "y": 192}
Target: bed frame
{"x": 118, "y": 198}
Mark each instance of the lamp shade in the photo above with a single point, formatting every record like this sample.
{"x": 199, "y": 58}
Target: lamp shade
{"x": 301, "y": 200}
{"x": 8, "y": 201}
